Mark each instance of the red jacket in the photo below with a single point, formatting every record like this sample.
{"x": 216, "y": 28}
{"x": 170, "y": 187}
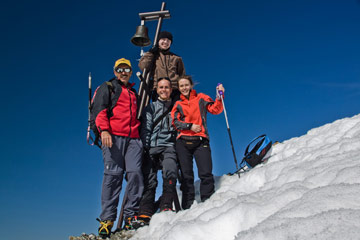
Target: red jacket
{"x": 121, "y": 121}
{"x": 193, "y": 111}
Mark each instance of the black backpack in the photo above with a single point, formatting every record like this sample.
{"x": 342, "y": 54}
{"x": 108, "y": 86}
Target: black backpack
{"x": 256, "y": 151}
{"x": 91, "y": 120}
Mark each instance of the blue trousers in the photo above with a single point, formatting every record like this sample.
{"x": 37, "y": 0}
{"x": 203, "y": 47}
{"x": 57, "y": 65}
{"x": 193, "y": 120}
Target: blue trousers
{"x": 125, "y": 156}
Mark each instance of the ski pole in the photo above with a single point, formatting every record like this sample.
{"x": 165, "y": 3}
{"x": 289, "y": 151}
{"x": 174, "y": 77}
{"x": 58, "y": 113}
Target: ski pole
{"x": 221, "y": 93}
{"x": 89, "y": 138}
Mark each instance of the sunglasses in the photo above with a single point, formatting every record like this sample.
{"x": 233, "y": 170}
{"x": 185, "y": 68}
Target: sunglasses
{"x": 120, "y": 70}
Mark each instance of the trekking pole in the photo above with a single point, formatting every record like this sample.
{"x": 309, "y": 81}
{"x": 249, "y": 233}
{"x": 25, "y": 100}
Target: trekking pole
{"x": 221, "y": 93}
{"x": 121, "y": 215}
{"x": 88, "y": 135}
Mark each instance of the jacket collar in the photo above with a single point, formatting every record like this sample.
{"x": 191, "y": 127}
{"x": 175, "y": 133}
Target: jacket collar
{"x": 165, "y": 103}
{"x": 193, "y": 94}
{"x": 129, "y": 85}
{"x": 165, "y": 52}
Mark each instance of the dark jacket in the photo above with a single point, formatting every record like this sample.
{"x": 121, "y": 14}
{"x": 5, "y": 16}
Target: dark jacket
{"x": 193, "y": 111}
{"x": 121, "y": 120}
{"x": 163, "y": 134}
{"x": 167, "y": 64}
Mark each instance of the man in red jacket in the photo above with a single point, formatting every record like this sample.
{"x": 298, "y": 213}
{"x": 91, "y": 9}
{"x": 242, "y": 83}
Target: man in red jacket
{"x": 115, "y": 109}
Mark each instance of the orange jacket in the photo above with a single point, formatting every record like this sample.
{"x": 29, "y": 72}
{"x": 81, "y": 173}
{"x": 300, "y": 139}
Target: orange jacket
{"x": 193, "y": 111}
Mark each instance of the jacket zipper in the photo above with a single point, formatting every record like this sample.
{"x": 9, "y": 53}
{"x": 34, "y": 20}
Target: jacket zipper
{"x": 157, "y": 135}
{"x": 130, "y": 112}
{"x": 165, "y": 65}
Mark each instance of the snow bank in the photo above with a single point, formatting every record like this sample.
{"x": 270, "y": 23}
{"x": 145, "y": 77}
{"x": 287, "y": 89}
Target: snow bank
{"x": 309, "y": 189}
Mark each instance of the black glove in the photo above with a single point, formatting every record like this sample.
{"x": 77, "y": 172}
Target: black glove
{"x": 154, "y": 49}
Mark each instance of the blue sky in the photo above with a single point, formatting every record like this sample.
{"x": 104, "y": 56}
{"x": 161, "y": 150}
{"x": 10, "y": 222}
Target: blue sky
{"x": 287, "y": 66}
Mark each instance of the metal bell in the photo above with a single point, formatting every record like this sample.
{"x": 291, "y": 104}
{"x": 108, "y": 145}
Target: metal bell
{"x": 141, "y": 37}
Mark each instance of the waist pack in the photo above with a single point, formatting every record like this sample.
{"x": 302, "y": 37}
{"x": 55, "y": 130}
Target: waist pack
{"x": 256, "y": 151}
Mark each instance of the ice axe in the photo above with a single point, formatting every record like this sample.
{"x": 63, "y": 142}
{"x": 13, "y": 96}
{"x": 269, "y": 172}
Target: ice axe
{"x": 221, "y": 93}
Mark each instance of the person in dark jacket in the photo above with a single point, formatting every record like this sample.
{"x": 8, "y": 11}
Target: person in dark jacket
{"x": 189, "y": 119}
{"x": 167, "y": 64}
{"x": 158, "y": 136}
{"x": 121, "y": 146}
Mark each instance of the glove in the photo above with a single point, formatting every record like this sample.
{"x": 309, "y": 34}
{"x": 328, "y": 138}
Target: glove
{"x": 219, "y": 92}
{"x": 154, "y": 49}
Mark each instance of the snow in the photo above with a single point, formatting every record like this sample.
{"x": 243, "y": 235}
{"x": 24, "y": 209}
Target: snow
{"x": 309, "y": 189}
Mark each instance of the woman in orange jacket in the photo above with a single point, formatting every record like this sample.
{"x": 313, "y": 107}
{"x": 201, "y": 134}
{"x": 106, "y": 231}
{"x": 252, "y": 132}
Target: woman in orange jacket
{"x": 189, "y": 119}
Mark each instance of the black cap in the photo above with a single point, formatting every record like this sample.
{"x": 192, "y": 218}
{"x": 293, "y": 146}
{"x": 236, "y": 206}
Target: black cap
{"x": 165, "y": 34}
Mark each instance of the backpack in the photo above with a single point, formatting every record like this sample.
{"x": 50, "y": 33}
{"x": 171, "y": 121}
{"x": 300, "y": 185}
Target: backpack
{"x": 92, "y": 126}
{"x": 256, "y": 151}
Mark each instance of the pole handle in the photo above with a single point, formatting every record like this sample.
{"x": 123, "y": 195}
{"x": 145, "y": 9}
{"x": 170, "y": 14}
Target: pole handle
{"x": 220, "y": 92}
{"x": 89, "y": 80}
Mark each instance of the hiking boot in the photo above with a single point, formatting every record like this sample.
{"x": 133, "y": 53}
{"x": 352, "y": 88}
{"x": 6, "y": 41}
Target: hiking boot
{"x": 186, "y": 203}
{"x": 167, "y": 198}
{"x": 133, "y": 223}
{"x": 141, "y": 221}
{"x": 105, "y": 228}
{"x": 166, "y": 206}
{"x": 167, "y": 210}
{"x": 128, "y": 224}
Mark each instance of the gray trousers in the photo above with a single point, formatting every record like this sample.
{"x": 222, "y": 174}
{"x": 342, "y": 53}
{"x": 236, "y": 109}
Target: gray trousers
{"x": 124, "y": 156}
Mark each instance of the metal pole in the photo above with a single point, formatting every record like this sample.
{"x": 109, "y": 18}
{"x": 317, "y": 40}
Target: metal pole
{"x": 88, "y": 135}
{"x": 144, "y": 92}
{"x": 228, "y": 129}
{"x": 121, "y": 215}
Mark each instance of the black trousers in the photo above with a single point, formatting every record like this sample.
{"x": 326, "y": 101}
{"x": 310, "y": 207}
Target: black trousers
{"x": 186, "y": 150}
{"x": 163, "y": 158}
